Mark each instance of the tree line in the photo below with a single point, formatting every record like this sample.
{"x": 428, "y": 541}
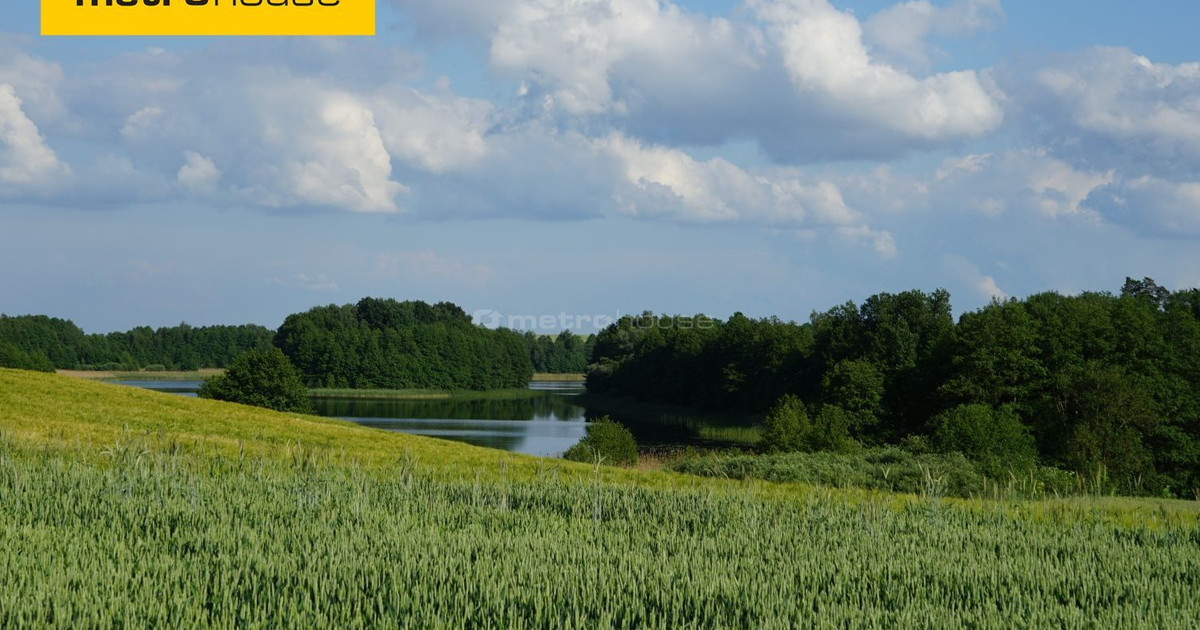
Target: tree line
{"x": 565, "y": 353}
{"x": 46, "y": 343}
{"x": 386, "y": 344}
{"x": 38, "y": 342}
{"x": 1105, "y": 385}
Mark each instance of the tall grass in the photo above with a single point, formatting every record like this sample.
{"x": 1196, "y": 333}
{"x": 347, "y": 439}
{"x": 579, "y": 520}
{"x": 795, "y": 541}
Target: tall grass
{"x": 894, "y": 470}
{"x": 125, "y": 508}
{"x": 155, "y": 539}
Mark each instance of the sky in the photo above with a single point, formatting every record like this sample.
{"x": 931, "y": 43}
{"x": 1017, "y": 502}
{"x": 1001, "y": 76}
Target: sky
{"x": 585, "y": 159}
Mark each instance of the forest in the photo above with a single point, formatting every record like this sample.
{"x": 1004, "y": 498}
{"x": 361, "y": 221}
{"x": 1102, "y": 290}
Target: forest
{"x": 564, "y": 353}
{"x": 41, "y": 343}
{"x": 386, "y": 344}
{"x": 1099, "y": 384}
{"x": 44, "y": 343}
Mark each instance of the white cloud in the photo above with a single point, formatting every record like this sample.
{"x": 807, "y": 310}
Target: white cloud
{"x": 990, "y": 184}
{"x": 1152, "y": 205}
{"x": 144, "y": 124}
{"x": 968, "y": 274}
{"x": 669, "y": 182}
{"x": 36, "y": 80}
{"x": 578, "y": 48}
{"x": 825, "y": 56}
{"x": 902, "y": 30}
{"x": 793, "y": 75}
{"x": 26, "y": 161}
{"x": 1110, "y": 106}
{"x": 339, "y": 159}
{"x": 199, "y": 175}
{"x": 433, "y": 132}
{"x": 883, "y": 242}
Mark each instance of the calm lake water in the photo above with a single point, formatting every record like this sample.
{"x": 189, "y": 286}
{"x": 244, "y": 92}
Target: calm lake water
{"x": 546, "y": 423}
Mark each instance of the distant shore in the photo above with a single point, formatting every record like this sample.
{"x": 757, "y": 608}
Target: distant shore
{"x": 142, "y": 375}
{"x": 564, "y": 378}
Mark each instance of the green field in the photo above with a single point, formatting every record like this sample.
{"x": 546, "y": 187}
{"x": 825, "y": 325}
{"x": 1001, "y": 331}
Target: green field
{"x": 123, "y": 507}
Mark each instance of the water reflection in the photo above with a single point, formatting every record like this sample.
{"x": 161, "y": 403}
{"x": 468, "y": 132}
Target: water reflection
{"x": 183, "y": 388}
{"x": 546, "y": 423}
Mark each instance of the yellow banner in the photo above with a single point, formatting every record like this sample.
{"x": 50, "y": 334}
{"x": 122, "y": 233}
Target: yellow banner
{"x": 208, "y": 17}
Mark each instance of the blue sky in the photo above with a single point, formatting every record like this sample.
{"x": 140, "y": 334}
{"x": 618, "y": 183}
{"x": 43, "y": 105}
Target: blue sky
{"x": 600, "y": 157}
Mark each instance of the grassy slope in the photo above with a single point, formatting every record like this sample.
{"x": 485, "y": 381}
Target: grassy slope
{"x": 87, "y": 418}
{"x": 63, "y": 412}
{"x": 94, "y": 532}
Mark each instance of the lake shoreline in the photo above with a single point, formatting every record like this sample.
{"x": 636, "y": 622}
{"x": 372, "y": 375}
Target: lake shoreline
{"x": 427, "y": 394}
{"x": 132, "y": 375}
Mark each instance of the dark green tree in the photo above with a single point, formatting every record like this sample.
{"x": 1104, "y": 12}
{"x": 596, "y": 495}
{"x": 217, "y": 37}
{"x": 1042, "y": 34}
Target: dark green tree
{"x": 17, "y": 359}
{"x": 857, "y": 388}
{"x": 785, "y": 427}
{"x": 261, "y": 379}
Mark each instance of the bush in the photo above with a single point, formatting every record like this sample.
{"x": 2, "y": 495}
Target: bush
{"x": 156, "y": 367}
{"x": 785, "y": 426}
{"x": 831, "y": 431}
{"x": 262, "y": 379}
{"x": 884, "y": 468}
{"x": 607, "y": 441}
{"x": 995, "y": 438}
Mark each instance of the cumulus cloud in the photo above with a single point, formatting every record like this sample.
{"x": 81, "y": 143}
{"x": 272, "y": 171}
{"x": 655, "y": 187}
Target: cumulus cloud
{"x": 1152, "y": 205}
{"x": 341, "y": 160}
{"x": 825, "y": 55}
{"x": 1028, "y": 181}
{"x": 968, "y": 274}
{"x": 284, "y": 139}
{"x": 663, "y": 181}
{"x": 38, "y": 81}
{"x": 432, "y": 132}
{"x": 199, "y": 175}
{"x": 902, "y": 31}
{"x": 272, "y": 135}
{"x": 578, "y": 49}
{"x": 26, "y": 161}
{"x": 1110, "y": 106}
{"x": 794, "y": 75}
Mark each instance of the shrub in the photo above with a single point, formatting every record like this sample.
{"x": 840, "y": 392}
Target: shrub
{"x": 262, "y": 379}
{"x": 785, "y": 426}
{"x": 606, "y": 440}
{"x": 888, "y": 468}
{"x": 831, "y": 431}
{"x": 156, "y": 367}
{"x": 995, "y": 438}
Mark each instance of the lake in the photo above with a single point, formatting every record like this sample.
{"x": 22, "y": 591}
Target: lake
{"x": 545, "y": 423}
